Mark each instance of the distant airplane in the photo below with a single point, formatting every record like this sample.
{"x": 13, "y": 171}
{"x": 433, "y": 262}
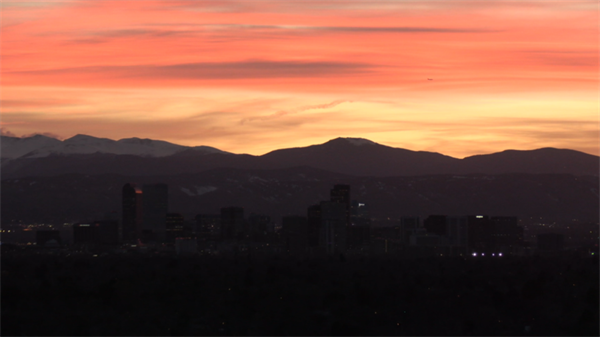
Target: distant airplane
{"x": 430, "y": 79}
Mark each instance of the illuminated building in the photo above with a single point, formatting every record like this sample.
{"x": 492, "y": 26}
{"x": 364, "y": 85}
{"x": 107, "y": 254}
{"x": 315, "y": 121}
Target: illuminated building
{"x": 174, "y": 227}
{"x": 359, "y": 231}
{"x": 208, "y": 226}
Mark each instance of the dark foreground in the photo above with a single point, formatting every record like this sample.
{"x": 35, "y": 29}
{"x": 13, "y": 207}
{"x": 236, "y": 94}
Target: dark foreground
{"x": 144, "y": 295}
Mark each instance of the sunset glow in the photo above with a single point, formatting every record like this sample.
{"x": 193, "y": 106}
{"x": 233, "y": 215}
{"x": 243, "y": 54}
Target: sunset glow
{"x": 455, "y": 77}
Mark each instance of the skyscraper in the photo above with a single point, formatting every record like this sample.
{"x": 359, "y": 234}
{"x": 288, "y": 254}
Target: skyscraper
{"x": 232, "y": 223}
{"x": 341, "y": 194}
{"x": 333, "y": 231}
{"x": 174, "y": 227}
{"x": 155, "y": 209}
{"x": 314, "y": 225}
{"x": 359, "y": 231}
{"x": 132, "y": 212}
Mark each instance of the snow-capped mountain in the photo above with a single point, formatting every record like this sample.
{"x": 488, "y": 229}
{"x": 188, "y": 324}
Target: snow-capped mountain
{"x": 14, "y": 147}
{"x": 41, "y": 146}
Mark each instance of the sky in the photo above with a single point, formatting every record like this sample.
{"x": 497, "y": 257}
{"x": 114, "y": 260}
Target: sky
{"x": 455, "y": 77}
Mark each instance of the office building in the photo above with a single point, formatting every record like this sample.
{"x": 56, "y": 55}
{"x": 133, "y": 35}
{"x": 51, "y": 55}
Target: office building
{"x": 232, "y": 223}
{"x": 208, "y": 227}
{"x": 341, "y": 194}
{"x": 457, "y": 233}
{"x": 155, "y": 208}
{"x": 333, "y": 231}
{"x": 131, "y": 222}
{"x": 359, "y": 231}
{"x": 313, "y": 225}
{"x": 174, "y": 227}
{"x": 260, "y": 227}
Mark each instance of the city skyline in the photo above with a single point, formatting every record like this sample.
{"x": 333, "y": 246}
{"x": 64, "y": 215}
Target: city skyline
{"x": 253, "y": 76}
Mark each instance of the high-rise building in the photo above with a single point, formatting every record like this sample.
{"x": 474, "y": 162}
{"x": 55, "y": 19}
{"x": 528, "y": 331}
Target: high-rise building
{"x": 208, "y": 226}
{"x": 232, "y": 223}
{"x": 480, "y": 231}
{"x": 359, "y": 231}
{"x": 174, "y": 227}
{"x": 259, "y": 227}
{"x": 409, "y": 225}
{"x": 313, "y": 226}
{"x": 294, "y": 234}
{"x": 507, "y": 235}
{"x": 458, "y": 234}
{"x": 333, "y": 231}
{"x": 341, "y": 194}
{"x": 155, "y": 209}
{"x": 132, "y": 212}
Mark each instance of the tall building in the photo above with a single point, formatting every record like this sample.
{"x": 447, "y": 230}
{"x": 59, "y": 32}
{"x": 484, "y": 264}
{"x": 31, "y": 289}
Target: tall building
{"x": 341, "y": 194}
{"x": 507, "y": 235}
{"x": 232, "y": 223}
{"x": 313, "y": 225}
{"x": 294, "y": 234}
{"x": 409, "y": 225}
{"x": 457, "y": 233}
{"x": 208, "y": 226}
{"x": 132, "y": 212}
{"x": 359, "y": 231}
{"x": 333, "y": 231}
{"x": 174, "y": 227}
{"x": 155, "y": 208}
{"x": 259, "y": 227}
{"x": 480, "y": 231}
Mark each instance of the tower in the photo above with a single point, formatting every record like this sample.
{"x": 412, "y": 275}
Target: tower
{"x": 155, "y": 207}
{"x": 232, "y": 223}
{"x": 132, "y": 212}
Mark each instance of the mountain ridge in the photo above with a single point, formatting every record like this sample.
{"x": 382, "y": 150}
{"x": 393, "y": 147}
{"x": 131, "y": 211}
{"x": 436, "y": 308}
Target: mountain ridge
{"x": 352, "y": 156}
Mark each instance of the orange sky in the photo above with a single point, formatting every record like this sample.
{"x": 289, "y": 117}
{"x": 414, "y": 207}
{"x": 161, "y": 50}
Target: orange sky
{"x": 253, "y": 76}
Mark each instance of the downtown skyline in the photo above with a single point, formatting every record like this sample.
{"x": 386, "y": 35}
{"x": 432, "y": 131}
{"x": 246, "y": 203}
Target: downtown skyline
{"x": 459, "y": 78}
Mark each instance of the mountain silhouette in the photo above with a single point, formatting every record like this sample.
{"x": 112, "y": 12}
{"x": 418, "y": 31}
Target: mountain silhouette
{"x": 352, "y": 156}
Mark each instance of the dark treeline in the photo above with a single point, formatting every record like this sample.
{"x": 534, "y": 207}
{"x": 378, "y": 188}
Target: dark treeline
{"x": 271, "y": 295}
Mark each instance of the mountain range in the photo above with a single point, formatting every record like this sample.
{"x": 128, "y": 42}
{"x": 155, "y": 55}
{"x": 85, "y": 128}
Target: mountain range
{"x": 44, "y": 156}
{"x": 46, "y": 180}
